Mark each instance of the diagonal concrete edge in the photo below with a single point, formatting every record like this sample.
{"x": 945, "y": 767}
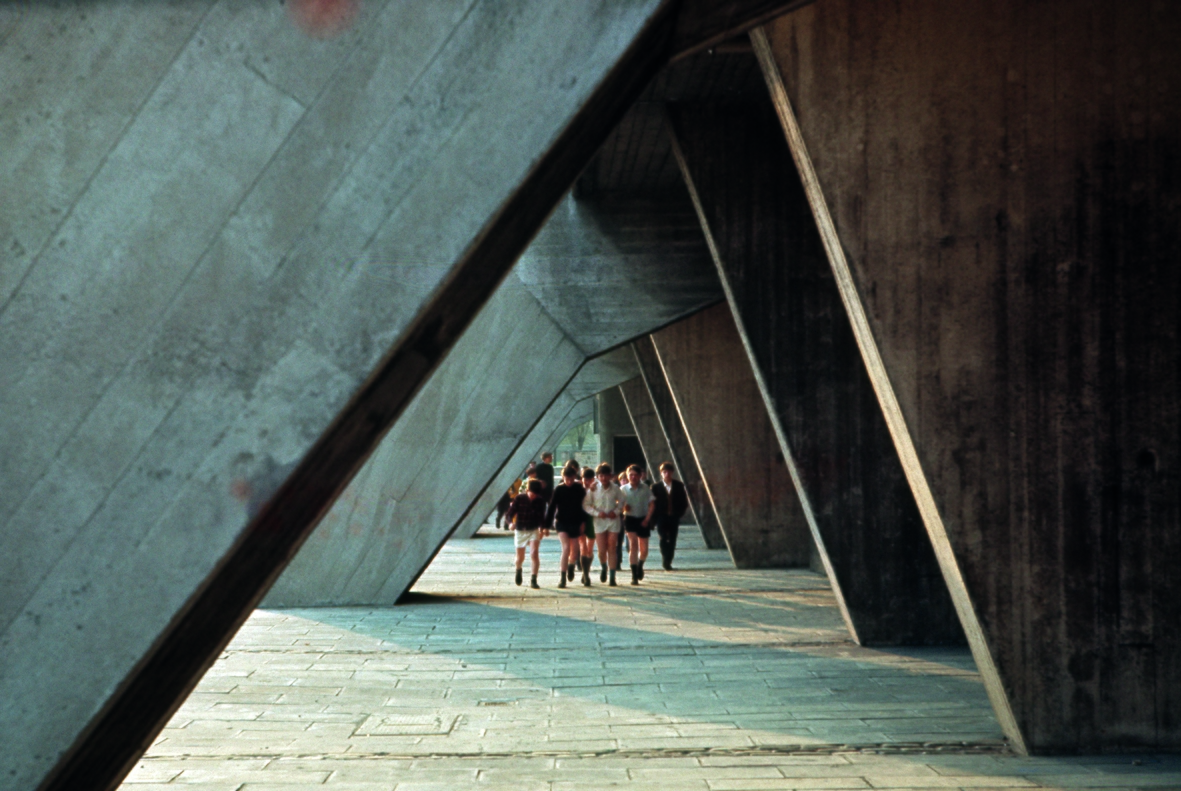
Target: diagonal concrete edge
{"x": 120, "y": 732}
{"x": 678, "y": 443}
{"x": 764, "y": 390}
{"x": 880, "y": 378}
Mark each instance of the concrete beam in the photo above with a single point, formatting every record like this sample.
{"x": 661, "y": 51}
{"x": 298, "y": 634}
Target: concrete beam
{"x": 731, "y": 437}
{"x": 678, "y": 442}
{"x": 1012, "y": 280}
{"x": 270, "y": 241}
{"x": 797, "y": 337}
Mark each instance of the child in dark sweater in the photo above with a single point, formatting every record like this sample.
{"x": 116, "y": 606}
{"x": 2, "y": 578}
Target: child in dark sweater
{"x": 527, "y": 516}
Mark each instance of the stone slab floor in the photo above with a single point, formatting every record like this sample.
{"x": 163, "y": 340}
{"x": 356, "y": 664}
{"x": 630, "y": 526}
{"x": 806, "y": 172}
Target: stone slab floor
{"x": 704, "y": 678}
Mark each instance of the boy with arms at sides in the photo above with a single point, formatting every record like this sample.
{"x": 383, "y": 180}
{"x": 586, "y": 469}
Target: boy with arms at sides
{"x": 565, "y": 514}
{"x": 639, "y": 505}
{"x": 605, "y": 504}
{"x": 527, "y": 515}
{"x": 672, "y": 501}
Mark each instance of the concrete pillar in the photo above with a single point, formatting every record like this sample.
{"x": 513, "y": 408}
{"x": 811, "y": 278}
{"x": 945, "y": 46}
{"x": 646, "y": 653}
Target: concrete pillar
{"x": 997, "y": 185}
{"x": 797, "y": 337}
{"x": 678, "y": 442}
{"x": 731, "y": 436}
{"x": 242, "y": 255}
{"x": 646, "y": 425}
{"x": 611, "y": 421}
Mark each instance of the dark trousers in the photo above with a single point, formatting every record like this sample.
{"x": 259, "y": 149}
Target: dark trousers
{"x": 667, "y": 529}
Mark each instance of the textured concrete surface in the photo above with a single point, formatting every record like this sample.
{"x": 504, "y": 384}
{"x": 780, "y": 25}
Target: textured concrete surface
{"x": 678, "y": 442}
{"x": 709, "y": 678}
{"x": 194, "y": 290}
{"x": 730, "y": 435}
{"x": 798, "y": 337}
{"x": 1004, "y": 182}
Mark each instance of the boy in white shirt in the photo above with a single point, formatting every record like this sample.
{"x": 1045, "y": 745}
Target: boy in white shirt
{"x": 639, "y": 505}
{"x": 605, "y": 503}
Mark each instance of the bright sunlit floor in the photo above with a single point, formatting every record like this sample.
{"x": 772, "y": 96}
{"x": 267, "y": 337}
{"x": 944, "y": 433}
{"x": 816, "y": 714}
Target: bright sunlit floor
{"x": 703, "y": 678}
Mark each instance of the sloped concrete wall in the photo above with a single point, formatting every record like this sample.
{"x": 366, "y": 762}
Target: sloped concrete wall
{"x": 431, "y": 466}
{"x": 1003, "y": 179}
{"x": 568, "y": 415}
{"x": 206, "y": 280}
{"x": 798, "y": 338}
{"x": 730, "y": 434}
{"x": 678, "y": 442}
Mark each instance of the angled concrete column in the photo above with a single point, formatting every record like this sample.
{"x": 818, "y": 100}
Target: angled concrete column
{"x": 997, "y": 185}
{"x": 543, "y": 436}
{"x": 678, "y": 442}
{"x": 250, "y": 267}
{"x": 797, "y": 336}
{"x": 731, "y": 437}
{"x": 646, "y": 424}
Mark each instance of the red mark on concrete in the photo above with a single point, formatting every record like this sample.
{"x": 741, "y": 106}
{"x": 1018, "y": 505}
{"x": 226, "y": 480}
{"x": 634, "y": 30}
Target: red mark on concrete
{"x": 323, "y": 18}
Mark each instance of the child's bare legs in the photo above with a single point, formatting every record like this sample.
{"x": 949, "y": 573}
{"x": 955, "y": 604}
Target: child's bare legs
{"x": 567, "y": 552}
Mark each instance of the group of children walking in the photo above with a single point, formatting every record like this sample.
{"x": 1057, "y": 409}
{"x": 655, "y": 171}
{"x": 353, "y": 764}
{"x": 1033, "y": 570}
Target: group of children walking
{"x": 591, "y": 508}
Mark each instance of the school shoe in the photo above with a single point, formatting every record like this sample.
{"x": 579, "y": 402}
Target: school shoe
{"x": 635, "y": 576}
{"x": 518, "y": 576}
{"x": 561, "y": 580}
{"x": 569, "y": 573}
{"x": 640, "y": 570}
{"x": 533, "y": 582}
{"x": 612, "y": 582}
{"x": 603, "y": 574}
{"x": 586, "y": 576}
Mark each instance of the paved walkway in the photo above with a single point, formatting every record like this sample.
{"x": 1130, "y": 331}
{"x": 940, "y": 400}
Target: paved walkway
{"x": 705, "y": 678}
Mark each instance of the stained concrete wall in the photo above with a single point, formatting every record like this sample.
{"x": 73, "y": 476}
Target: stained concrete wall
{"x": 1003, "y": 180}
{"x": 448, "y": 450}
{"x": 798, "y": 338}
{"x": 217, "y": 229}
{"x": 678, "y": 442}
{"x": 731, "y": 437}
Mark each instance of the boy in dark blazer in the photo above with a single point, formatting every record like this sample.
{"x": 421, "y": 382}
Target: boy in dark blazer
{"x": 672, "y": 501}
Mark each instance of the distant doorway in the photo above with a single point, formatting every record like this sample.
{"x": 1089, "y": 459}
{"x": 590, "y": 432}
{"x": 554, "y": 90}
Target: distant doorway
{"x": 627, "y": 451}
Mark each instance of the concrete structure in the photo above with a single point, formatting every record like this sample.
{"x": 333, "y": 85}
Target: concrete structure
{"x": 730, "y": 435}
{"x": 503, "y": 376}
{"x": 514, "y": 467}
{"x": 646, "y": 425}
{"x": 863, "y": 517}
{"x": 997, "y": 188}
{"x": 258, "y": 241}
{"x": 678, "y": 442}
{"x": 235, "y": 258}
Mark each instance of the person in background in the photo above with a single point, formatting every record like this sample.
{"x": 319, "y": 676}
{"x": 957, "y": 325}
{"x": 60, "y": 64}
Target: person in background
{"x": 588, "y": 531}
{"x": 566, "y": 515}
{"x": 621, "y": 545}
{"x": 639, "y": 504}
{"x": 545, "y": 474}
{"x": 527, "y": 514}
{"x": 605, "y": 503}
{"x": 505, "y": 501}
{"x": 672, "y": 501}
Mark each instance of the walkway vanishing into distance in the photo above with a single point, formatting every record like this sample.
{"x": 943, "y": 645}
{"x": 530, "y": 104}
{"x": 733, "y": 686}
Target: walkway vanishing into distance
{"x": 706, "y": 678}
